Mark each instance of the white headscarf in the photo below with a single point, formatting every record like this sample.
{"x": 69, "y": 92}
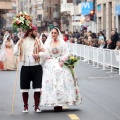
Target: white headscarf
{"x": 41, "y": 36}
{"x": 4, "y": 42}
{"x": 62, "y": 43}
{"x": 49, "y": 38}
{"x": 6, "y": 35}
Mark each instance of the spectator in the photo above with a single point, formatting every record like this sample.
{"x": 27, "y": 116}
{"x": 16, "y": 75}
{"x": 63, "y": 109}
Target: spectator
{"x": 65, "y": 37}
{"x": 117, "y": 45}
{"x": 15, "y": 39}
{"x": 109, "y": 44}
{"x": 10, "y": 61}
{"x": 1, "y": 41}
{"x": 101, "y": 40}
{"x": 95, "y": 43}
{"x": 116, "y": 33}
{"x": 6, "y": 34}
{"x": 113, "y": 41}
{"x": 90, "y": 43}
{"x": 2, "y": 33}
{"x": 79, "y": 41}
{"x": 89, "y": 37}
{"x": 77, "y": 34}
{"x": 44, "y": 38}
{"x": 72, "y": 40}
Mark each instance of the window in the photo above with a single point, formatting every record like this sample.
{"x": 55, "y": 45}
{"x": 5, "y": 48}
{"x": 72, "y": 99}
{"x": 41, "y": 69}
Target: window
{"x": 99, "y": 8}
{"x": 78, "y": 1}
{"x": 39, "y": 17}
{"x": 69, "y": 1}
{"x": 40, "y": 6}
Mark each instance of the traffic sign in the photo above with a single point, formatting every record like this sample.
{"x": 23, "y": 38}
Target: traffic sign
{"x": 86, "y": 7}
{"x": 87, "y": 18}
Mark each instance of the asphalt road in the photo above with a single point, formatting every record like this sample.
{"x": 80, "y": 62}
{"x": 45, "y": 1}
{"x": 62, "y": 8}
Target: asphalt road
{"x": 100, "y": 91}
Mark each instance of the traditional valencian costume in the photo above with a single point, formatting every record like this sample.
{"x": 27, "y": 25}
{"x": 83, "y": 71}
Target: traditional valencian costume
{"x": 58, "y": 87}
{"x": 31, "y": 69}
{"x": 7, "y": 48}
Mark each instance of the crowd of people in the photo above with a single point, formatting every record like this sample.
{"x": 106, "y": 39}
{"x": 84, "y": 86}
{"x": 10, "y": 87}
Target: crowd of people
{"x": 95, "y": 39}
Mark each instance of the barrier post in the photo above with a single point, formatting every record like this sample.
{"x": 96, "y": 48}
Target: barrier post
{"x": 97, "y": 59}
{"x": 119, "y": 62}
{"x": 103, "y": 59}
{"x": 111, "y": 61}
{"x": 84, "y": 53}
{"x": 88, "y": 55}
{"x": 93, "y": 57}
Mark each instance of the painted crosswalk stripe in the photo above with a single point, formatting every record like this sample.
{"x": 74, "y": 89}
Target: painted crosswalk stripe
{"x": 65, "y": 107}
{"x": 73, "y": 117}
{"x": 97, "y": 77}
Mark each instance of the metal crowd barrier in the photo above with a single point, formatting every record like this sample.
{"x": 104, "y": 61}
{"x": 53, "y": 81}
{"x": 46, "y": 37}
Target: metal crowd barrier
{"x": 98, "y": 56}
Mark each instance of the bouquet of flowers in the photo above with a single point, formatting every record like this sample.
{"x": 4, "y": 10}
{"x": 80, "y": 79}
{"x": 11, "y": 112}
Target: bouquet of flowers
{"x": 22, "y": 20}
{"x": 70, "y": 63}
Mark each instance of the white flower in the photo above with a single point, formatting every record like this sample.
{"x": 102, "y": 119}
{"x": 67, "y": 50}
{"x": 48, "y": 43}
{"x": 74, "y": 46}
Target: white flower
{"x": 22, "y": 19}
{"x": 27, "y": 22}
{"x": 20, "y": 12}
{"x": 15, "y": 19}
{"x": 26, "y": 13}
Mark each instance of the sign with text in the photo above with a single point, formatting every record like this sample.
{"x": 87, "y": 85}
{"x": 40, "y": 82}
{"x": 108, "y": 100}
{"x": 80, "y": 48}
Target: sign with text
{"x": 86, "y": 7}
{"x": 117, "y": 7}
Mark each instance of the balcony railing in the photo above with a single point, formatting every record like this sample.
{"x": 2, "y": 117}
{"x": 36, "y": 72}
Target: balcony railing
{"x": 5, "y": 0}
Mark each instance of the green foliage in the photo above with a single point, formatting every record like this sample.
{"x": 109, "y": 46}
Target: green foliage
{"x": 71, "y": 61}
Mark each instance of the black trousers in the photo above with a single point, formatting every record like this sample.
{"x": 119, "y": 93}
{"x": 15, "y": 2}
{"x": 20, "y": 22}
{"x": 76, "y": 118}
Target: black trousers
{"x": 31, "y": 73}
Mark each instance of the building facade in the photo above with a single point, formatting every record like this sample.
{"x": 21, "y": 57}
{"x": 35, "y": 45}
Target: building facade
{"x": 72, "y": 17}
{"x": 106, "y": 18}
{"x": 10, "y": 14}
{"x": 51, "y": 14}
{"x": 67, "y": 14}
{"x": 5, "y": 5}
{"x": 45, "y": 13}
{"x": 66, "y": 18}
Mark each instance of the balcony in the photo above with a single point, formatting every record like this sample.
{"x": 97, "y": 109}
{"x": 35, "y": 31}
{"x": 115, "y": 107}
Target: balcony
{"x": 66, "y": 7}
{"x": 56, "y": 15}
{"x": 5, "y": 4}
{"x": 45, "y": 18}
{"x": 64, "y": 20}
{"x": 76, "y": 10}
{"x": 39, "y": 23}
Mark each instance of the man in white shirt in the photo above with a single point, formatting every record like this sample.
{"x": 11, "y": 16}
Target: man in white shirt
{"x": 30, "y": 51}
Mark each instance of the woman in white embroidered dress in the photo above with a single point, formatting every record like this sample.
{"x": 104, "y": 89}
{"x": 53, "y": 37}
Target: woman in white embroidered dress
{"x": 58, "y": 87}
{"x": 7, "y": 47}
